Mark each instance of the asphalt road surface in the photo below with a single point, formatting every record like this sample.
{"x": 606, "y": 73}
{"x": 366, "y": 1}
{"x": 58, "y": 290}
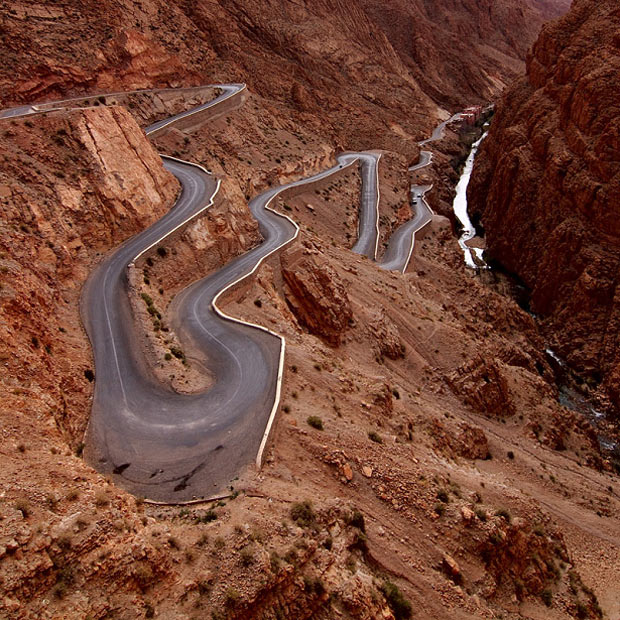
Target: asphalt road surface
{"x": 401, "y": 244}
{"x": 175, "y": 447}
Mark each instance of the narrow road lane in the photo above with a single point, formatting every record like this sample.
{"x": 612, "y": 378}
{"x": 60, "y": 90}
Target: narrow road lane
{"x": 176, "y": 447}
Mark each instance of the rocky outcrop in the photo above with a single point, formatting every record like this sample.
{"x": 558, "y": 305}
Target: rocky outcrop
{"x": 517, "y": 556}
{"x": 391, "y": 64}
{"x": 470, "y": 442}
{"x": 546, "y": 186}
{"x": 389, "y": 342}
{"x": 316, "y": 295}
{"x": 434, "y": 39}
{"x": 484, "y": 386}
{"x": 72, "y": 185}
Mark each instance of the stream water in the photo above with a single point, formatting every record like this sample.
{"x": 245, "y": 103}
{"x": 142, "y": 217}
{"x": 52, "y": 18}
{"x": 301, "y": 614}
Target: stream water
{"x": 473, "y": 256}
{"x": 575, "y": 400}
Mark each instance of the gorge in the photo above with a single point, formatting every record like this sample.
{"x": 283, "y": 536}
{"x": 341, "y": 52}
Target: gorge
{"x": 246, "y": 371}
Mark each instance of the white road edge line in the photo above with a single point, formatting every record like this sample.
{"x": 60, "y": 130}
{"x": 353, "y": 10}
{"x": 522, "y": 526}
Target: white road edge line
{"x": 221, "y": 313}
{"x": 185, "y": 221}
{"x": 377, "y": 206}
{"x": 211, "y": 104}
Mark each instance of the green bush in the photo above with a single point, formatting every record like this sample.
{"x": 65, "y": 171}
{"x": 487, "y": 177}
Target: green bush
{"x": 442, "y": 496}
{"x": 374, "y": 436}
{"x": 232, "y": 597}
{"x": 356, "y": 519}
{"x": 505, "y": 514}
{"x": 315, "y": 422}
{"x": 303, "y": 514}
{"x": 400, "y": 606}
{"x": 247, "y": 556}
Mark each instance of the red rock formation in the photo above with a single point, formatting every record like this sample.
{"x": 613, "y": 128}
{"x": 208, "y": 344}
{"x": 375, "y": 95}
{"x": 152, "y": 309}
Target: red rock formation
{"x": 379, "y": 61}
{"x": 56, "y": 220}
{"x": 547, "y": 186}
{"x": 316, "y": 295}
{"x": 462, "y": 51}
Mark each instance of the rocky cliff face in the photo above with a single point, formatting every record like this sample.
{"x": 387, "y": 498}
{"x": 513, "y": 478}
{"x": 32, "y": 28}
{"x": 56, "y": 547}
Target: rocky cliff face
{"x": 462, "y": 51}
{"x": 316, "y": 57}
{"x": 71, "y": 184}
{"x": 547, "y": 186}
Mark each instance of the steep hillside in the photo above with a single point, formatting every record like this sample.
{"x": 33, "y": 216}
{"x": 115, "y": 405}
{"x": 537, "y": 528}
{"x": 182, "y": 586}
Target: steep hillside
{"x": 313, "y": 56}
{"x": 462, "y": 51}
{"x": 420, "y": 464}
{"x": 547, "y": 187}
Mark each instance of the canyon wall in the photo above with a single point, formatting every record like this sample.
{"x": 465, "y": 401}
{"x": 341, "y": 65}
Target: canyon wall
{"x": 324, "y": 58}
{"x": 71, "y": 184}
{"x": 546, "y": 186}
{"x": 463, "y": 51}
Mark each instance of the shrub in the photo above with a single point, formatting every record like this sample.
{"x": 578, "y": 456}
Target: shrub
{"x": 101, "y": 498}
{"x": 314, "y": 585}
{"x": 291, "y": 556}
{"x": 442, "y": 496}
{"x": 400, "y": 606}
{"x": 374, "y": 436}
{"x": 178, "y": 353}
{"x": 247, "y": 556}
{"x": 143, "y": 574}
{"x": 511, "y": 455}
{"x": 274, "y": 562}
{"x": 162, "y": 251}
{"x": 440, "y": 509}
{"x": 204, "y": 587}
{"x": 303, "y": 514}
{"x": 356, "y": 519}
{"x": 73, "y": 494}
{"x": 504, "y": 513}
{"x": 23, "y": 505}
{"x": 209, "y": 516}
{"x": 315, "y": 422}
{"x": 232, "y": 597}
{"x": 547, "y": 597}
{"x": 481, "y": 513}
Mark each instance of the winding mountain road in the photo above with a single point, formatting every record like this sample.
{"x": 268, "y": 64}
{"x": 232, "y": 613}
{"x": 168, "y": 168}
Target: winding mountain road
{"x": 169, "y": 446}
{"x": 173, "y": 447}
{"x": 402, "y": 242}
